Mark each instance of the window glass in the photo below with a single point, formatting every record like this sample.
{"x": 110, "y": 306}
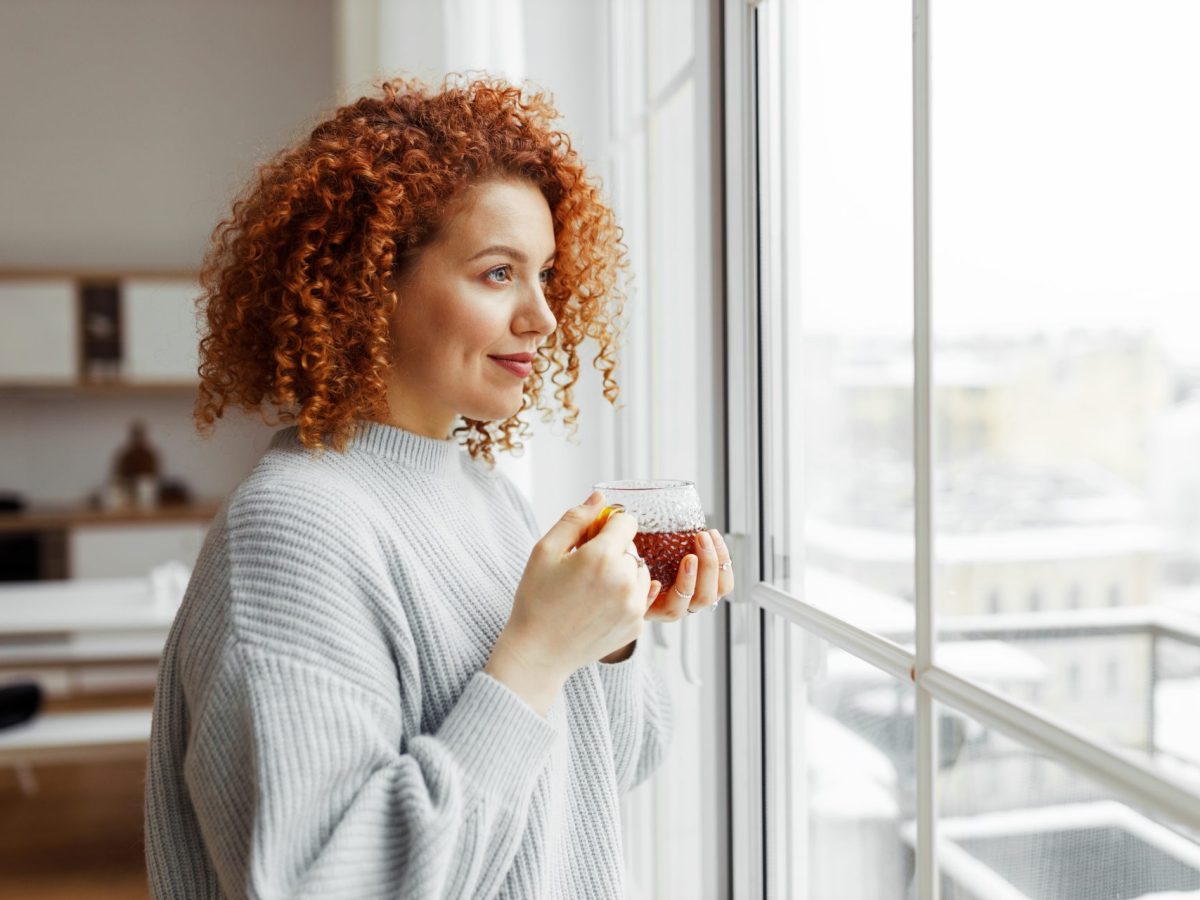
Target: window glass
{"x": 1066, "y": 395}
{"x": 1016, "y": 824}
{"x": 839, "y": 431}
{"x": 848, "y": 733}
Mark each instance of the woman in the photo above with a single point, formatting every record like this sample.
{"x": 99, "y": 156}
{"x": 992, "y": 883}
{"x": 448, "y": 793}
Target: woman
{"x": 382, "y": 682}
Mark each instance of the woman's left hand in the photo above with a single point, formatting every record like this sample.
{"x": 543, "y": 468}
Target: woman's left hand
{"x": 700, "y": 588}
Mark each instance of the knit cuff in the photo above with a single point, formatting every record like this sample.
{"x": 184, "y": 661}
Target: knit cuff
{"x": 499, "y": 741}
{"x": 621, "y": 679}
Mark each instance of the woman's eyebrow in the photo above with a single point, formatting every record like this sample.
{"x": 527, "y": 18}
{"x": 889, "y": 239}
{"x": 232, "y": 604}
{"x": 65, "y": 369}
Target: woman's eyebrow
{"x": 508, "y": 251}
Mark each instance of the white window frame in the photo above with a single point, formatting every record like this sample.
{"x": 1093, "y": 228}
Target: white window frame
{"x": 647, "y": 815}
{"x": 763, "y": 611}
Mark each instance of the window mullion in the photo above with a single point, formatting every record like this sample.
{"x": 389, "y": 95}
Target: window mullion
{"x": 742, "y": 364}
{"x": 926, "y": 720}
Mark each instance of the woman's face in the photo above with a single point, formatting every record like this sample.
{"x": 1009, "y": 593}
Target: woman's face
{"x": 473, "y": 294}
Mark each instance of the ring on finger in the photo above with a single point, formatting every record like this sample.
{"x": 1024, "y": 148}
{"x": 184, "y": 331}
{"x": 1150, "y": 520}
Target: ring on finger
{"x": 726, "y": 566}
{"x": 676, "y": 589}
{"x": 637, "y": 557}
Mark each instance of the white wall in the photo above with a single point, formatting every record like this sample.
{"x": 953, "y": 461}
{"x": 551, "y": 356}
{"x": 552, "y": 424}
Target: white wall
{"x": 127, "y": 129}
{"x": 58, "y": 448}
{"x": 128, "y": 125}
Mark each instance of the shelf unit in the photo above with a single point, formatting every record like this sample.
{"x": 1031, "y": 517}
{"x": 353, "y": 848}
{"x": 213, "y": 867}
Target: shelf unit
{"x": 157, "y": 356}
{"x": 42, "y": 348}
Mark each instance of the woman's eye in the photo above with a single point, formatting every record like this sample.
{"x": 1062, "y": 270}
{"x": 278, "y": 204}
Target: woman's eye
{"x": 495, "y": 270}
{"x": 547, "y": 274}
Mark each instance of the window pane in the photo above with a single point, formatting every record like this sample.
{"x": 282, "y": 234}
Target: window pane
{"x": 1016, "y": 824}
{"x": 1174, "y": 737}
{"x": 850, "y": 748}
{"x": 840, "y": 427}
{"x": 1067, "y": 347}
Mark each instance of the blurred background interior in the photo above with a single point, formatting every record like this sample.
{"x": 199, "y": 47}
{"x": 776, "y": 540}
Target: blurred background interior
{"x": 128, "y": 128}
{"x": 760, "y": 156}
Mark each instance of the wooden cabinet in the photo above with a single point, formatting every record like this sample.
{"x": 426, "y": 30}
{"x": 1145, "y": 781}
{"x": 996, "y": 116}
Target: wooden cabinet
{"x": 87, "y": 543}
{"x": 120, "y": 551}
{"x": 39, "y": 332}
{"x": 45, "y": 328}
{"x": 49, "y": 321}
{"x": 161, "y": 337}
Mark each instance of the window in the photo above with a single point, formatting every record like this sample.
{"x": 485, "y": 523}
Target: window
{"x": 928, "y": 388}
{"x": 660, "y": 166}
{"x": 1074, "y": 597}
{"x": 1073, "y": 680}
{"x": 1112, "y": 676}
{"x": 1035, "y": 600}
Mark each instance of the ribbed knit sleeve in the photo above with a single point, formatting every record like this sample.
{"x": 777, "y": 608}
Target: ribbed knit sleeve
{"x": 304, "y": 778}
{"x": 640, "y": 715}
{"x": 640, "y": 710}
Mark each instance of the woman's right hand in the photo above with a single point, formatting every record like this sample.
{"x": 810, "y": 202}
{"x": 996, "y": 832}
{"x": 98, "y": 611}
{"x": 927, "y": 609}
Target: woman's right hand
{"x": 571, "y": 609}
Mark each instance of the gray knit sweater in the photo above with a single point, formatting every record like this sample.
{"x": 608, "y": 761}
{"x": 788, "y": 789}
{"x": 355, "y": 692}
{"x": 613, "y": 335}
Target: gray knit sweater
{"x": 322, "y": 724}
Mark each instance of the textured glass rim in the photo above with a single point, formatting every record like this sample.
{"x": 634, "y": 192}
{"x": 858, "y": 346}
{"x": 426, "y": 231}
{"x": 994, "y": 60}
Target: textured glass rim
{"x": 643, "y": 484}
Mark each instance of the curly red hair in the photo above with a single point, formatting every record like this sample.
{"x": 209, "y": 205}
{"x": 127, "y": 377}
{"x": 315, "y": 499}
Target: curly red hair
{"x": 298, "y": 285}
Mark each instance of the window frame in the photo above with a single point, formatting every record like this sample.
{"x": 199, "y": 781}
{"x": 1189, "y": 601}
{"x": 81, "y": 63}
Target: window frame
{"x": 758, "y": 658}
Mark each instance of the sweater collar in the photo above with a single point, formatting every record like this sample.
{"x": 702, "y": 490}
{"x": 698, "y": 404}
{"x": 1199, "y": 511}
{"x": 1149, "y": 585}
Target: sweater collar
{"x": 414, "y": 451}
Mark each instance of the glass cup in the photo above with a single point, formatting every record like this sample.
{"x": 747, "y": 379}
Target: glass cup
{"x": 669, "y": 517}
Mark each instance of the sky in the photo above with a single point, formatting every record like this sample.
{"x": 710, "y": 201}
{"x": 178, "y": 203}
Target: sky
{"x": 1065, "y": 158}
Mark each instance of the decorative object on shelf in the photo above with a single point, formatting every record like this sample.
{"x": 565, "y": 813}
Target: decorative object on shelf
{"x": 100, "y": 306}
{"x": 174, "y": 492}
{"x": 136, "y": 469}
{"x": 19, "y": 552}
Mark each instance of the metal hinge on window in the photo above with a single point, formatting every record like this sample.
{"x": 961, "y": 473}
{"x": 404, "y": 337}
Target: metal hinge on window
{"x": 781, "y": 564}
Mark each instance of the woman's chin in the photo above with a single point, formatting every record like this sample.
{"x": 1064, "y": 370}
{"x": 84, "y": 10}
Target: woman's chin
{"x": 495, "y": 412}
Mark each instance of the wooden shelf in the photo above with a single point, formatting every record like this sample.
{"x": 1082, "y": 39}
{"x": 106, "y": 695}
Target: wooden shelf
{"x": 55, "y": 518}
{"x": 15, "y": 273}
{"x": 41, "y": 389}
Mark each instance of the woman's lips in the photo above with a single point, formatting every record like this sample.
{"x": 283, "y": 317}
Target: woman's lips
{"x": 520, "y": 369}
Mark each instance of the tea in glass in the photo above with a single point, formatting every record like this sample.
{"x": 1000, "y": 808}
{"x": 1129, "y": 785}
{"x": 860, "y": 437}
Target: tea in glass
{"x": 669, "y": 517}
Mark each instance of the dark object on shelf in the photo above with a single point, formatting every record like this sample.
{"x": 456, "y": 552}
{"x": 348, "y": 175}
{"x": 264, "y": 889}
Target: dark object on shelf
{"x": 20, "y": 553}
{"x": 19, "y": 702}
{"x": 137, "y": 458}
{"x": 135, "y": 471}
{"x": 173, "y": 492}
{"x": 20, "y": 557}
{"x": 100, "y": 316}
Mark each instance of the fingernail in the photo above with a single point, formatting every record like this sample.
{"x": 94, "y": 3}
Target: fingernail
{"x": 689, "y": 564}
{"x": 705, "y": 540}
{"x": 591, "y": 498}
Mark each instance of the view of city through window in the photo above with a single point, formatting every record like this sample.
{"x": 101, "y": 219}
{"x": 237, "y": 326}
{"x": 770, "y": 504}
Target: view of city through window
{"x": 1066, "y": 430}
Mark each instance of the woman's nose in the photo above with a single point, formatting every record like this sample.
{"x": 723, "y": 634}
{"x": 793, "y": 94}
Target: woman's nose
{"x": 537, "y": 315}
